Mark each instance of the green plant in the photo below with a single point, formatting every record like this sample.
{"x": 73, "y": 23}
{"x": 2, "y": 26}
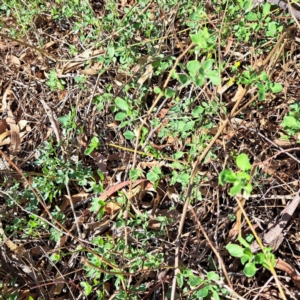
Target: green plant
{"x": 291, "y": 122}
{"x": 249, "y": 259}
{"x": 94, "y": 144}
{"x": 54, "y": 82}
{"x": 240, "y": 180}
{"x": 197, "y": 287}
{"x": 262, "y": 81}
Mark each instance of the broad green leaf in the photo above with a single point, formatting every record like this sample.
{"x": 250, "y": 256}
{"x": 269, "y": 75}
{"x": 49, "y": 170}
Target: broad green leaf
{"x": 244, "y": 259}
{"x": 169, "y": 93}
{"x": 180, "y": 280}
{"x": 242, "y": 176}
{"x": 86, "y": 287}
{"x": 203, "y": 292}
{"x": 249, "y": 269}
{"x": 214, "y": 77}
{"x": 122, "y": 104}
{"x": 157, "y": 90}
{"x": 261, "y": 94}
{"x": 188, "y": 126}
{"x": 266, "y": 9}
{"x": 129, "y": 135}
{"x": 212, "y": 275}
{"x": 152, "y": 176}
{"x": 208, "y": 64}
{"x": 251, "y": 16}
{"x": 259, "y": 258}
{"x": 247, "y": 251}
{"x": 248, "y": 189}
{"x": 247, "y": 4}
{"x": 193, "y": 66}
{"x": 183, "y": 79}
{"x": 276, "y": 88}
{"x": 227, "y": 176}
{"x": 236, "y": 189}
{"x": 242, "y": 161}
{"x": 235, "y": 250}
{"x": 120, "y": 116}
{"x": 195, "y": 281}
{"x": 199, "y": 81}
{"x": 243, "y": 242}
{"x": 199, "y": 40}
{"x": 197, "y": 111}
{"x": 215, "y": 294}
{"x": 111, "y": 50}
{"x": 291, "y": 122}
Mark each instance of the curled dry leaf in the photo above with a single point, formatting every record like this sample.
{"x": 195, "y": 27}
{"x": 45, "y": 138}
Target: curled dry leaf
{"x": 3, "y": 126}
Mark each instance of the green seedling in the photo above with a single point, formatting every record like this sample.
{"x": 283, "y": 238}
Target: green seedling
{"x": 240, "y": 180}
{"x": 250, "y": 260}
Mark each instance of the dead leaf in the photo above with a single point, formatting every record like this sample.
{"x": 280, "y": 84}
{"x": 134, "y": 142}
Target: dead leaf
{"x": 3, "y": 126}
{"x": 112, "y": 207}
{"x": 239, "y": 94}
{"x": 100, "y": 161}
{"x": 274, "y": 237}
{"x": 228, "y": 45}
{"x": 15, "y": 144}
{"x": 147, "y": 74}
{"x": 14, "y": 60}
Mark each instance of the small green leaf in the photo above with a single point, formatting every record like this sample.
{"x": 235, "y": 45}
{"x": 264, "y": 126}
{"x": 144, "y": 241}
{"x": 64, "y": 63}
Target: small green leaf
{"x": 249, "y": 269}
{"x": 213, "y": 76}
{"x": 208, "y": 64}
{"x": 199, "y": 40}
{"x": 157, "y": 90}
{"x": 120, "y": 116}
{"x": 195, "y": 281}
{"x": 215, "y": 294}
{"x": 180, "y": 280}
{"x": 212, "y": 275}
{"x": 276, "y": 88}
{"x": 259, "y": 258}
{"x": 261, "y": 94}
{"x": 235, "y": 250}
{"x": 227, "y": 176}
{"x": 86, "y": 287}
{"x": 199, "y": 81}
{"x": 251, "y": 16}
{"x": 193, "y": 67}
{"x": 236, "y": 189}
{"x": 244, "y": 259}
{"x": 243, "y": 242}
{"x": 197, "y": 111}
{"x": 248, "y": 189}
{"x": 291, "y": 122}
{"x": 122, "y": 104}
{"x": 242, "y": 161}
{"x": 188, "y": 126}
{"x": 183, "y": 79}
{"x": 266, "y": 9}
{"x": 129, "y": 135}
{"x": 169, "y": 93}
{"x": 152, "y": 176}
{"x": 203, "y": 292}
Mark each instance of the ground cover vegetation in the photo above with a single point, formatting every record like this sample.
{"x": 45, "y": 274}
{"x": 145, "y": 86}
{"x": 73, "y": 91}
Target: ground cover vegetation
{"x": 149, "y": 150}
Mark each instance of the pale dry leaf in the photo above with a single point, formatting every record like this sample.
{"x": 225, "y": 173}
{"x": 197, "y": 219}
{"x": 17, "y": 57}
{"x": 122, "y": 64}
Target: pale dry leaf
{"x": 228, "y": 45}
{"x": 15, "y": 61}
{"x": 147, "y": 74}
{"x": 22, "y": 124}
{"x": 239, "y": 93}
